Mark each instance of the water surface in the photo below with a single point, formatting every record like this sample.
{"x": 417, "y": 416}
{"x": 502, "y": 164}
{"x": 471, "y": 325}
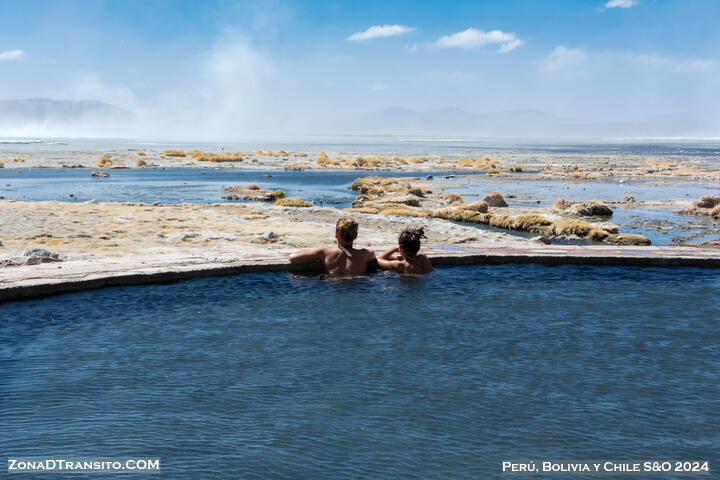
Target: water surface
{"x": 443, "y": 376}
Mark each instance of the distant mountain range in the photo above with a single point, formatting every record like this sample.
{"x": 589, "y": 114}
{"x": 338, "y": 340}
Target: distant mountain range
{"x": 44, "y": 117}
{"x": 36, "y": 116}
{"x": 508, "y": 123}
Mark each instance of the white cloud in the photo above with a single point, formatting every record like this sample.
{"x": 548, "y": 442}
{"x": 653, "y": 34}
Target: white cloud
{"x": 11, "y": 55}
{"x": 474, "y": 38}
{"x": 621, "y": 3}
{"x": 379, "y": 31}
{"x": 564, "y": 59}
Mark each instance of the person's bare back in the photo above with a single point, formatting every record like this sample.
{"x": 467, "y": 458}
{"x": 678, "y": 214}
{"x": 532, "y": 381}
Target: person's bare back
{"x": 342, "y": 259}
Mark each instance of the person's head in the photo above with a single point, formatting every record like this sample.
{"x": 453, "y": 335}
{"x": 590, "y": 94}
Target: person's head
{"x": 346, "y": 230}
{"x": 409, "y": 240}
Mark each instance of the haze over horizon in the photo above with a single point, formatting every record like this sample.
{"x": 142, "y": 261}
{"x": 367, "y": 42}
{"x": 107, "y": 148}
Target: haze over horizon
{"x": 217, "y": 68}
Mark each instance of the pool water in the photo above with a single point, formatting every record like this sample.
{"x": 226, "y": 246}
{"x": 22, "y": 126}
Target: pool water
{"x": 273, "y": 375}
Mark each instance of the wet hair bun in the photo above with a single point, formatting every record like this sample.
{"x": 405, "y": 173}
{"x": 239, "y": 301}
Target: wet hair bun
{"x": 417, "y": 233}
{"x": 409, "y": 239}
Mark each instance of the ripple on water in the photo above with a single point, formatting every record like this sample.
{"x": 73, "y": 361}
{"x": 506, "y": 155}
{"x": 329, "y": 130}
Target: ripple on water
{"x": 442, "y": 376}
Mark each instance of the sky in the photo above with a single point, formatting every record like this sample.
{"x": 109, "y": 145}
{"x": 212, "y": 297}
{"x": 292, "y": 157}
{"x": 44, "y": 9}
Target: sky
{"x": 220, "y": 65}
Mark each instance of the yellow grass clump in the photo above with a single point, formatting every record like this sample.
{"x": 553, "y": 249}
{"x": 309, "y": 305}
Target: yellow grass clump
{"x": 597, "y": 234}
{"x": 451, "y": 197}
{"x": 495, "y": 199}
{"x": 530, "y": 222}
{"x": 141, "y": 163}
{"x": 562, "y": 204}
{"x": 708, "y": 201}
{"x": 216, "y": 157}
{"x": 367, "y": 184}
{"x": 18, "y": 159}
{"x": 406, "y": 212}
{"x": 480, "y": 206}
{"x": 323, "y": 159}
{"x": 292, "y": 202}
{"x": 478, "y": 163}
{"x": 104, "y": 162}
{"x": 516, "y": 169}
{"x": 577, "y": 228}
{"x": 254, "y": 186}
{"x": 174, "y": 153}
{"x": 462, "y": 215}
{"x": 141, "y": 153}
{"x": 628, "y": 239}
{"x": 300, "y": 154}
{"x": 361, "y": 210}
{"x": 2, "y": 165}
{"x": 715, "y": 212}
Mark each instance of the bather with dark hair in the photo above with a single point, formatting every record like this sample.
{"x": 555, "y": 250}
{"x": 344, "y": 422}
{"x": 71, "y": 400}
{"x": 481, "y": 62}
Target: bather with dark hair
{"x": 341, "y": 259}
{"x": 405, "y": 257}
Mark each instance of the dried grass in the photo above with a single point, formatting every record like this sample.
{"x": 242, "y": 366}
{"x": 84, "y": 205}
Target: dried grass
{"x": 577, "y": 228}
{"x": 480, "y": 206}
{"x": 292, "y": 202}
{"x": 216, "y": 157}
{"x": 361, "y": 210}
{"x": 708, "y": 201}
{"x": 483, "y": 163}
{"x": 141, "y": 153}
{"x": 141, "y": 163}
{"x": 174, "y": 153}
{"x": 462, "y": 215}
{"x": 495, "y": 199}
{"x": 562, "y": 204}
{"x": 324, "y": 160}
{"x": 406, "y": 212}
{"x": 715, "y": 212}
{"x": 449, "y": 198}
{"x": 18, "y": 159}
{"x": 104, "y": 162}
{"x": 628, "y": 239}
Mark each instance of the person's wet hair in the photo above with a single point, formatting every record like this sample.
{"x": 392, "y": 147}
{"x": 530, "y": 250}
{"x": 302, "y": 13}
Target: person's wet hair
{"x": 409, "y": 239}
{"x": 347, "y": 230}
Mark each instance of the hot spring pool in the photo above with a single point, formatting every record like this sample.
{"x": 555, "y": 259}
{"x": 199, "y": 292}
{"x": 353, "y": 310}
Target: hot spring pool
{"x": 282, "y": 376}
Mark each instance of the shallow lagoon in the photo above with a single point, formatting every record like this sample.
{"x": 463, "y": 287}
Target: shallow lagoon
{"x": 192, "y": 185}
{"x": 443, "y": 376}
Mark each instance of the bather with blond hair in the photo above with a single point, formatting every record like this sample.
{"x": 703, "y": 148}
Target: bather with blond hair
{"x": 342, "y": 259}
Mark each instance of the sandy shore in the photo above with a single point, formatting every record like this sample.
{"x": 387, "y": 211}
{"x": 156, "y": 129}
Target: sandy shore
{"x": 95, "y": 229}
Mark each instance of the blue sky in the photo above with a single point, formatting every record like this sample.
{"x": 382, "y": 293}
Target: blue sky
{"x": 276, "y": 62}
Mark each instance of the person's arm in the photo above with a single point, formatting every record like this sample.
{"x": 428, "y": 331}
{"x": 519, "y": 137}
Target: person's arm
{"x": 386, "y": 261}
{"x": 308, "y": 255}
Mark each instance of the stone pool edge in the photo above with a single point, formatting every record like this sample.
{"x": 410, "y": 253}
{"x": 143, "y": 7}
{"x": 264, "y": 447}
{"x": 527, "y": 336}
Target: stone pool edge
{"x": 24, "y": 282}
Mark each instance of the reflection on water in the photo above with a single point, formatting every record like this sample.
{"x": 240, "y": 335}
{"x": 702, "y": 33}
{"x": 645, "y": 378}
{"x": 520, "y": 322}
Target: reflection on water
{"x": 441, "y": 376}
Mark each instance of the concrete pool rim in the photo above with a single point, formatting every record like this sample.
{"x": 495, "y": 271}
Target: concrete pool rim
{"x": 35, "y": 281}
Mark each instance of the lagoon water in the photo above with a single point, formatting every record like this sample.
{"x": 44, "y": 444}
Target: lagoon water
{"x": 444, "y": 376}
{"x": 328, "y": 188}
